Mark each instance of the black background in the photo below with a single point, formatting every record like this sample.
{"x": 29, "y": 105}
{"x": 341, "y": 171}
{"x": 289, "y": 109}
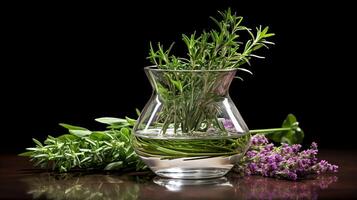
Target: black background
{"x": 75, "y": 62}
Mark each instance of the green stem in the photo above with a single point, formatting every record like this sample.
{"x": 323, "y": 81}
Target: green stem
{"x": 269, "y": 130}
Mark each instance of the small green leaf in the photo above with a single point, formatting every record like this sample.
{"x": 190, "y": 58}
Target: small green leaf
{"x": 26, "y": 154}
{"x": 137, "y": 111}
{"x": 265, "y": 30}
{"x": 177, "y": 84}
{"x": 71, "y": 127}
{"x": 289, "y": 121}
{"x": 41, "y": 156}
{"x": 80, "y": 133}
{"x": 76, "y": 130}
{"x": 245, "y": 70}
{"x": 110, "y": 120}
{"x": 118, "y": 126}
{"x": 67, "y": 137}
{"x": 275, "y": 136}
{"x": 269, "y": 35}
{"x": 99, "y": 135}
{"x": 130, "y": 121}
{"x": 292, "y": 134}
{"x": 125, "y": 131}
{"x": 37, "y": 142}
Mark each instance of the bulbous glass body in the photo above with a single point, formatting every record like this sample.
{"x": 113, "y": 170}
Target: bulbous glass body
{"x": 190, "y": 127}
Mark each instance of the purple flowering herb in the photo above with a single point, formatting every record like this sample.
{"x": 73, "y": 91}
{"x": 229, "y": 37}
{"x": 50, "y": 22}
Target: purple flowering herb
{"x": 285, "y": 161}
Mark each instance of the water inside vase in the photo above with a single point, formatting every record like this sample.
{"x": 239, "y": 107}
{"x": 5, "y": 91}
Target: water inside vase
{"x": 191, "y": 157}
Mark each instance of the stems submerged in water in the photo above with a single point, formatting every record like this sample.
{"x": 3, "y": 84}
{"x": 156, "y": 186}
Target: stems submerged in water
{"x": 184, "y": 148}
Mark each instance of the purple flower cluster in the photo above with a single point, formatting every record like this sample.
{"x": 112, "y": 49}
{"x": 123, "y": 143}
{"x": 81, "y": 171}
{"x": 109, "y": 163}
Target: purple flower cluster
{"x": 285, "y": 161}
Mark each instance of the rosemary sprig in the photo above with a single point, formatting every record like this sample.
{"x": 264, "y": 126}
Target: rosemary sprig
{"x": 84, "y": 149}
{"x": 215, "y": 49}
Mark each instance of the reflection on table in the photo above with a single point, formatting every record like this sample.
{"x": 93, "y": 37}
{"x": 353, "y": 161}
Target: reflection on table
{"x": 145, "y": 185}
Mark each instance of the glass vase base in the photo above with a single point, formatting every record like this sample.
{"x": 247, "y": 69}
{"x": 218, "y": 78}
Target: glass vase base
{"x": 191, "y": 168}
{"x": 184, "y": 184}
{"x": 195, "y": 173}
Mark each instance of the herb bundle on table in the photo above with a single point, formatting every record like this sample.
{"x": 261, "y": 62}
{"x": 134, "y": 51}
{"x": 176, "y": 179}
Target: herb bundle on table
{"x": 84, "y": 149}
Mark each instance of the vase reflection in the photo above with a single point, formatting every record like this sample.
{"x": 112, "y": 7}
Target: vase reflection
{"x": 183, "y": 184}
{"x": 146, "y": 186}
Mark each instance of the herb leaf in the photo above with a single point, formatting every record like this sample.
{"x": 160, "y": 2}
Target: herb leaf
{"x": 110, "y": 120}
{"x": 76, "y": 130}
{"x": 290, "y": 132}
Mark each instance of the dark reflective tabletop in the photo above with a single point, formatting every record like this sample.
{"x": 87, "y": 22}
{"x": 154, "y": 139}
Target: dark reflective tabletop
{"x": 20, "y": 181}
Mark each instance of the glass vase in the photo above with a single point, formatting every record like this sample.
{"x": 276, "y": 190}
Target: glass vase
{"x": 190, "y": 127}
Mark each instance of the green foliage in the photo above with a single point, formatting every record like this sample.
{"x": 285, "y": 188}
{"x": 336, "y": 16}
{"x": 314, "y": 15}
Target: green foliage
{"x": 216, "y": 49}
{"x": 289, "y": 133}
{"x": 109, "y": 150}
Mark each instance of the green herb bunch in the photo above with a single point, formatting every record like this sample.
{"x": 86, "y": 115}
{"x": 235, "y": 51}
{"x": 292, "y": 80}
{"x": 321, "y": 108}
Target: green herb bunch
{"x": 189, "y": 87}
{"x": 84, "y": 149}
{"x": 216, "y": 49}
